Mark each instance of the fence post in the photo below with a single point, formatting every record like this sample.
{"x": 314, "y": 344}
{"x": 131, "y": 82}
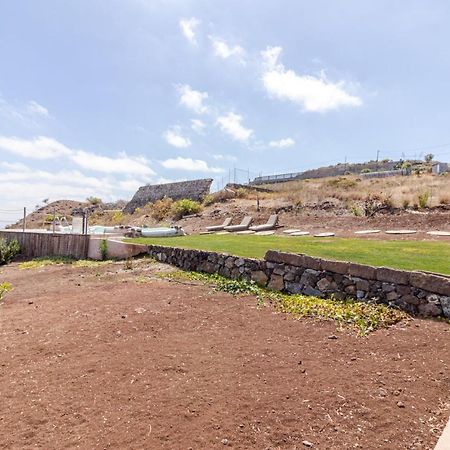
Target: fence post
{"x": 24, "y": 223}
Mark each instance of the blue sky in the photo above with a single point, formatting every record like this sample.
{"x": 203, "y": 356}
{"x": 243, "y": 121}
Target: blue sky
{"x": 99, "y": 97}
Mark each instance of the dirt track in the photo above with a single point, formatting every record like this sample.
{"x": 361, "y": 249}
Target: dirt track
{"x": 90, "y": 358}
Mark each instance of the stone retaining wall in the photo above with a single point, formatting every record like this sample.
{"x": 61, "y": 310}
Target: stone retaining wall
{"x": 415, "y": 292}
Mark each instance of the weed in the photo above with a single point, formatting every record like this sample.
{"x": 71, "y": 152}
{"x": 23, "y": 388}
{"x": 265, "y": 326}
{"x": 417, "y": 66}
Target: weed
{"x": 423, "y": 199}
{"x": 37, "y": 263}
{"x": 128, "y": 264}
{"x": 364, "y": 317}
{"x": 4, "y": 288}
{"x": 103, "y": 246}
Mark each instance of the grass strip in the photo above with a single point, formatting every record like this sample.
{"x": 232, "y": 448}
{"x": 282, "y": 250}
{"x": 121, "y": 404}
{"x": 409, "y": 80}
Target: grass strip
{"x": 431, "y": 256}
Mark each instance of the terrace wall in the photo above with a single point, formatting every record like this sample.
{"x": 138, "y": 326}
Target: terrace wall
{"x": 418, "y": 293}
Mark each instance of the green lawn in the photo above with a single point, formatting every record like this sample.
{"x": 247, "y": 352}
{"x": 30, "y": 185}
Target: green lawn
{"x": 430, "y": 256}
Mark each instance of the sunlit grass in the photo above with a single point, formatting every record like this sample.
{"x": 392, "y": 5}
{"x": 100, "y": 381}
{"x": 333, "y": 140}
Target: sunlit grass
{"x": 37, "y": 263}
{"x": 429, "y": 256}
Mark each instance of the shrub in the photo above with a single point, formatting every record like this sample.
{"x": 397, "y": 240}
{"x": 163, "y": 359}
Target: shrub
{"x": 342, "y": 182}
{"x": 8, "y": 250}
{"x": 423, "y": 199}
{"x": 161, "y": 209}
{"x": 208, "y": 200}
{"x": 51, "y": 218}
{"x": 117, "y": 217}
{"x": 94, "y": 200}
{"x": 405, "y": 203}
{"x": 185, "y": 207}
{"x": 366, "y": 170}
{"x": 104, "y": 249}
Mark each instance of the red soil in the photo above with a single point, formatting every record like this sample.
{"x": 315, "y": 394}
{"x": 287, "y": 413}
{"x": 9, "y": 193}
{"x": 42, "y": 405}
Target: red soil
{"x": 91, "y": 358}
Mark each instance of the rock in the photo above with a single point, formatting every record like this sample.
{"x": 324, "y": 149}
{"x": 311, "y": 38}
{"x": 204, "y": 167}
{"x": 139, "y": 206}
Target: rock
{"x": 225, "y": 442}
{"x": 400, "y": 404}
{"x": 335, "y": 266}
{"x": 391, "y": 296}
{"x": 307, "y": 290}
{"x": 259, "y": 277}
{"x": 294, "y": 288}
{"x": 308, "y": 444}
{"x": 430, "y": 309}
{"x": 239, "y": 262}
{"x": 362, "y": 285}
{"x": 323, "y": 284}
{"x": 276, "y": 283}
{"x": 433, "y": 283}
{"x": 392, "y": 276}
{"x": 445, "y": 305}
{"x": 360, "y": 271}
{"x": 388, "y": 287}
{"x": 411, "y": 299}
{"x": 309, "y": 277}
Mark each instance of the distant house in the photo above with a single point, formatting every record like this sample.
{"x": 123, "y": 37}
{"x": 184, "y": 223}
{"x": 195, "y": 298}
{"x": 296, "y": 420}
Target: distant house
{"x": 439, "y": 167}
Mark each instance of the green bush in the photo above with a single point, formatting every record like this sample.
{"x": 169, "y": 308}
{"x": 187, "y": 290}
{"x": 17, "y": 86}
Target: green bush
{"x": 8, "y": 250}
{"x": 185, "y": 207}
{"x": 423, "y": 199}
{"x": 208, "y": 200}
{"x": 104, "y": 249}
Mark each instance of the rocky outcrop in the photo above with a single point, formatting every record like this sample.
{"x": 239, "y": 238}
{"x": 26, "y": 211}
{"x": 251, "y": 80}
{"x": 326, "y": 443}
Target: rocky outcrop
{"x": 193, "y": 190}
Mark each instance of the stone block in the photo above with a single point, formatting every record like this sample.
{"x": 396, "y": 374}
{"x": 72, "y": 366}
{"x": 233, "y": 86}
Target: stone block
{"x": 309, "y": 277}
{"x": 430, "y": 310}
{"x": 294, "y": 288}
{"x": 390, "y": 296}
{"x": 323, "y": 285}
{"x": 291, "y": 259}
{"x": 361, "y": 271}
{"x": 276, "y": 283}
{"x": 335, "y": 266}
{"x": 308, "y": 290}
{"x": 431, "y": 283}
{"x": 392, "y": 276}
{"x": 259, "y": 277}
{"x": 411, "y": 299}
{"x": 445, "y": 305}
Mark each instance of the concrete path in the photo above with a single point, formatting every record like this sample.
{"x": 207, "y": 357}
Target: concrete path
{"x": 444, "y": 441}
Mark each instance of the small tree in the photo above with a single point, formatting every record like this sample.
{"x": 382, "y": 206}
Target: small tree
{"x": 429, "y": 157}
{"x": 94, "y": 200}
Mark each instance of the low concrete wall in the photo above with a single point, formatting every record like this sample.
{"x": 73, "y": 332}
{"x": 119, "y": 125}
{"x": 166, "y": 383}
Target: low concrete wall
{"x": 117, "y": 249}
{"x": 415, "y": 292}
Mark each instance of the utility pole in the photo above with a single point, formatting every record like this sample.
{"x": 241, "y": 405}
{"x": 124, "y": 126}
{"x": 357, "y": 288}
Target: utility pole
{"x": 24, "y": 223}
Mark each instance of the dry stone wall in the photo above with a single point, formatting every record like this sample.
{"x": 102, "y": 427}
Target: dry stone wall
{"x": 193, "y": 189}
{"x": 415, "y": 292}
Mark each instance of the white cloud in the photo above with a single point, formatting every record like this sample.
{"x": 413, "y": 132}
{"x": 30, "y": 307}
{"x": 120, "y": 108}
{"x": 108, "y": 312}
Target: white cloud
{"x": 122, "y": 164}
{"x": 189, "y": 27}
{"x": 174, "y": 137}
{"x": 34, "y": 108}
{"x": 192, "y": 99}
{"x": 189, "y": 164}
{"x": 225, "y": 51}
{"x": 315, "y": 94}
{"x": 198, "y": 125}
{"x": 231, "y": 124}
{"x": 48, "y": 148}
{"x": 38, "y": 148}
{"x": 282, "y": 143}
{"x": 229, "y": 158}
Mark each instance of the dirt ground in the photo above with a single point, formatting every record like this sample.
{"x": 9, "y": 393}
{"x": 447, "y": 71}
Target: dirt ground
{"x": 112, "y": 358}
{"x": 318, "y": 220}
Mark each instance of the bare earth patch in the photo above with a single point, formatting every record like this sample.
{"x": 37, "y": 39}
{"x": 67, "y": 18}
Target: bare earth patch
{"x": 102, "y": 357}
